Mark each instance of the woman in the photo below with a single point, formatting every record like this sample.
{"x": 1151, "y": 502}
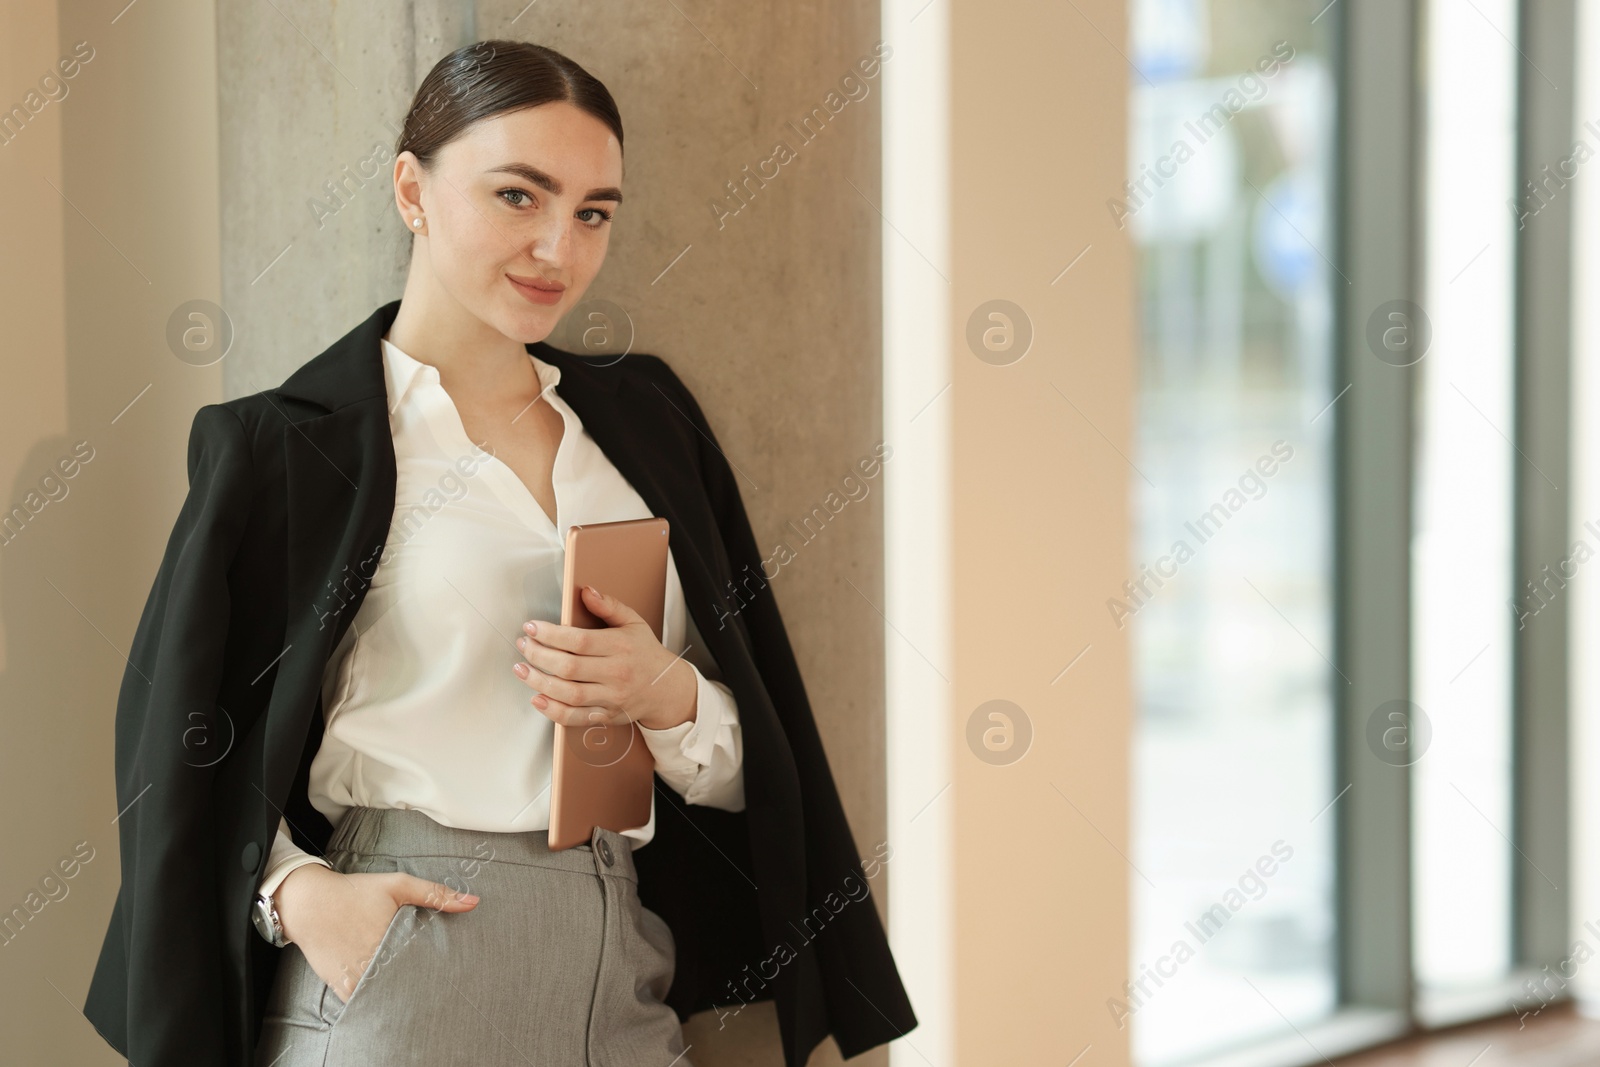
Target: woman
{"x": 333, "y": 739}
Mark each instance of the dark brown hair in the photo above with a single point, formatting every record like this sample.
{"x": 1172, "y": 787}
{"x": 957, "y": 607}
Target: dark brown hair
{"x": 493, "y": 77}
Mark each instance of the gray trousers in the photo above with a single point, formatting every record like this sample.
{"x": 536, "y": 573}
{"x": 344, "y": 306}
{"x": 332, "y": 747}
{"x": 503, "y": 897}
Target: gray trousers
{"x": 559, "y": 964}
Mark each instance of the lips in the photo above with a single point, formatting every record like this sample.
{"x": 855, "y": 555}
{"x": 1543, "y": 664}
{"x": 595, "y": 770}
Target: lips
{"x": 537, "y": 290}
{"x": 537, "y": 283}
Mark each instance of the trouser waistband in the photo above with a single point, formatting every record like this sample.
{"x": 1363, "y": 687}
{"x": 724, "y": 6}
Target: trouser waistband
{"x": 409, "y": 832}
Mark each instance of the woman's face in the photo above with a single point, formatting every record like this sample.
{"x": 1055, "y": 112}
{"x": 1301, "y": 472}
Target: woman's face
{"x": 519, "y": 201}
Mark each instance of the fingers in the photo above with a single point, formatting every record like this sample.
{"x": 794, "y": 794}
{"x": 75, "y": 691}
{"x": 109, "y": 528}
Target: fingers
{"x": 590, "y": 666}
{"x": 580, "y": 714}
{"x": 581, "y": 667}
{"x": 550, "y": 682}
{"x": 409, "y": 889}
{"x": 613, "y": 611}
{"x": 581, "y": 640}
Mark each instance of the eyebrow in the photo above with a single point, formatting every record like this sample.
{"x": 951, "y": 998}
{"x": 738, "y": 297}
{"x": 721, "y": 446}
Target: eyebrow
{"x": 551, "y": 184}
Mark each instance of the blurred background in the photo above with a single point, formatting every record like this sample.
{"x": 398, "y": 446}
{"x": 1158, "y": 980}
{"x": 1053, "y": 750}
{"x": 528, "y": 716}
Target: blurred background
{"x": 1216, "y": 649}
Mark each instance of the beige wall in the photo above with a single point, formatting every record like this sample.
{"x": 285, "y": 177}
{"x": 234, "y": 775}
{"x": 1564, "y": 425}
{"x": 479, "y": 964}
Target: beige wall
{"x": 773, "y": 315}
{"x": 1041, "y": 517}
{"x": 94, "y": 267}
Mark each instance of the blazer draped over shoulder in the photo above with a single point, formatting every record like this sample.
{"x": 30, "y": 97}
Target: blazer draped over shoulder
{"x": 291, "y": 493}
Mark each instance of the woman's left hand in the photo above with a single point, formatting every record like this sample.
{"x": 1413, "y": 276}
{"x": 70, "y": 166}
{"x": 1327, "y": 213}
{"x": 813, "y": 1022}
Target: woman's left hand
{"x": 609, "y": 676}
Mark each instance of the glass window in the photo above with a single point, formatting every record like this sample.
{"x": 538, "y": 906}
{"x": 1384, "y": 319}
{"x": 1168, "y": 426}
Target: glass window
{"x": 1230, "y": 605}
{"x": 1461, "y": 554}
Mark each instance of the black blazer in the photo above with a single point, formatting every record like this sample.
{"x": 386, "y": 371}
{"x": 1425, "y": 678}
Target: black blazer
{"x": 291, "y": 492}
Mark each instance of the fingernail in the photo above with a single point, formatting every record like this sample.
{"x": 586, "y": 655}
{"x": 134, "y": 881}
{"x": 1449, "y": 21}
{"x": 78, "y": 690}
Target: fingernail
{"x": 521, "y": 669}
{"x": 531, "y": 627}
{"x": 469, "y": 898}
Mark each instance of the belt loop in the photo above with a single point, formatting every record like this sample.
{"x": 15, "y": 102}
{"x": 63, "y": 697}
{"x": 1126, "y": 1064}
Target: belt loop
{"x": 364, "y": 830}
{"x": 605, "y": 853}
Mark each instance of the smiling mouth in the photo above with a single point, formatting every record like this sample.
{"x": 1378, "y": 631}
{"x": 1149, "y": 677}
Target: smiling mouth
{"x": 537, "y": 285}
{"x": 539, "y": 291}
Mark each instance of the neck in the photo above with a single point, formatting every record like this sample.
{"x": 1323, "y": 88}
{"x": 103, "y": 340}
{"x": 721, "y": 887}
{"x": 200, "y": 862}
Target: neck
{"x": 472, "y": 357}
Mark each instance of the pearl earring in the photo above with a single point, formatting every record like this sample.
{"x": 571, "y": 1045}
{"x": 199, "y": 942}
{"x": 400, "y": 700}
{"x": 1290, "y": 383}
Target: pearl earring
{"x": 416, "y": 222}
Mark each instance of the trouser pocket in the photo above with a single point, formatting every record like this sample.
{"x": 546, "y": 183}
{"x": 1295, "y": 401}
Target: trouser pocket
{"x": 401, "y": 929}
{"x": 658, "y": 935}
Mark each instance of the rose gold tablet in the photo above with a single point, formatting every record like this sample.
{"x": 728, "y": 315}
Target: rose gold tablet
{"x": 604, "y": 775}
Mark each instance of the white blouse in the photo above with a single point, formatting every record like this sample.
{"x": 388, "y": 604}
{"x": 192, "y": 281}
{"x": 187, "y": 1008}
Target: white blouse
{"x": 420, "y": 704}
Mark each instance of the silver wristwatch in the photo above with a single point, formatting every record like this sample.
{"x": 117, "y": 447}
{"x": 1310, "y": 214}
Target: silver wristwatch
{"x": 267, "y": 923}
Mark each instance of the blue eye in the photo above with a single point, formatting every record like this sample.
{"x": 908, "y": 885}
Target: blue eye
{"x": 524, "y": 199}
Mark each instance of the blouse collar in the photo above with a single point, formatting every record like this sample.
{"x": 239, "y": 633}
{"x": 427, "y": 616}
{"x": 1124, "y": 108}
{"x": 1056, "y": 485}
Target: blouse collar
{"x": 402, "y": 372}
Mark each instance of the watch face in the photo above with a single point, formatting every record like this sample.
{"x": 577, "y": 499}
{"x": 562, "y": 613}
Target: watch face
{"x": 261, "y": 916}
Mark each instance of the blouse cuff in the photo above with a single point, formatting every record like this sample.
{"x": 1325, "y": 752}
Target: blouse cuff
{"x": 700, "y": 759}
{"x": 689, "y": 745}
{"x": 286, "y": 856}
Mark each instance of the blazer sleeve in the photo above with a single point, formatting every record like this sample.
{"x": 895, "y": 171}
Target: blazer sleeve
{"x": 780, "y": 670}
{"x": 172, "y": 952}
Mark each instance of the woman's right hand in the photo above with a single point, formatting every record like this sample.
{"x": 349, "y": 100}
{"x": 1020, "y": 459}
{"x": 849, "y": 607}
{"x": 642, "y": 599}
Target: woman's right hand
{"x": 339, "y": 919}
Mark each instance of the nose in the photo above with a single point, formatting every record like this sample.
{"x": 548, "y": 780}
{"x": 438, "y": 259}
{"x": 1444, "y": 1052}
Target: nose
{"x": 550, "y": 242}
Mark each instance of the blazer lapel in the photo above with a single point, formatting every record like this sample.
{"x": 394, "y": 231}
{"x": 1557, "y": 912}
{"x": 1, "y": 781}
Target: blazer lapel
{"x": 339, "y": 473}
